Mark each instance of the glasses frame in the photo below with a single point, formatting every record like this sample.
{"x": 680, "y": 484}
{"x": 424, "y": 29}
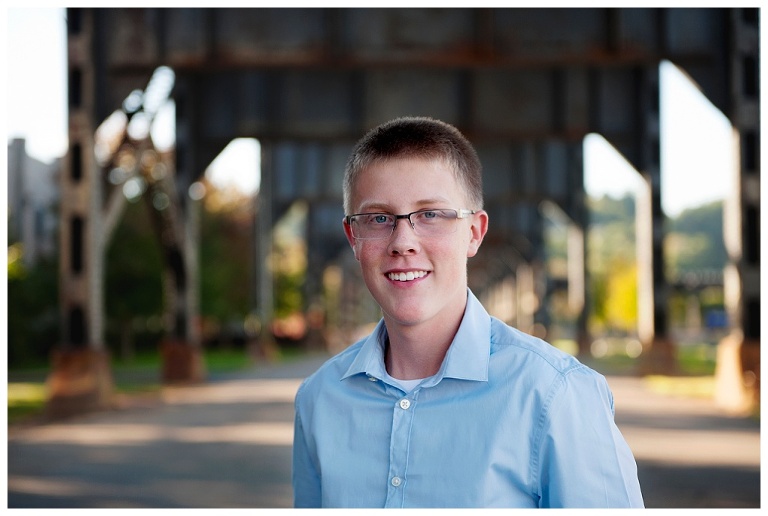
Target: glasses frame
{"x": 461, "y": 213}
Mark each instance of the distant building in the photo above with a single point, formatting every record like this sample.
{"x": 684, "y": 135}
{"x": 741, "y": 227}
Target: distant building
{"x": 33, "y": 196}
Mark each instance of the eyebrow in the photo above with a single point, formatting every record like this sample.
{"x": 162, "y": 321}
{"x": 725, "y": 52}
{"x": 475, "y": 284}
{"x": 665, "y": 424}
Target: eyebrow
{"x": 388, "y": 208}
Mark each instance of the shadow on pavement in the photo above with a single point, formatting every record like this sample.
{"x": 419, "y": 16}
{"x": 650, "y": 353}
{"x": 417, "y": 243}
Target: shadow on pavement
{"x": 227, "y": 444}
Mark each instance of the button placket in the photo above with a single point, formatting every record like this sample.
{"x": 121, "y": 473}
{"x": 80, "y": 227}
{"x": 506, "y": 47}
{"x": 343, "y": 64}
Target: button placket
{"x": 402, "y": 418}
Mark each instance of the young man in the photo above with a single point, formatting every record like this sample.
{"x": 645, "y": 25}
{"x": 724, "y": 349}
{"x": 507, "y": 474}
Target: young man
{"x": 443, "y": 405}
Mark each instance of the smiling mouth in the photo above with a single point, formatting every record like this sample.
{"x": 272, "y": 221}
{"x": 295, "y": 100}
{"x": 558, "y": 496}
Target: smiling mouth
{"x": 406, "y": 276}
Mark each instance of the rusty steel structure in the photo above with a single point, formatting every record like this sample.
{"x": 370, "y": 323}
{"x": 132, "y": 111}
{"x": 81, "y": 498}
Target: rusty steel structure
{"x": 524, "y": 84}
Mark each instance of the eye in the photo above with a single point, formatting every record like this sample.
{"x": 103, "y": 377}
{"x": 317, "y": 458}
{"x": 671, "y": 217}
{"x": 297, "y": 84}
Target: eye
{"x": 430, "y": 216}
{"x": 378, "y": 219}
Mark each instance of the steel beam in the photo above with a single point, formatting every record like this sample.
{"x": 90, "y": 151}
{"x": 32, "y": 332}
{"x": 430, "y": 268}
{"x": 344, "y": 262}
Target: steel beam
{"x": 738, "y": 361}
{"x": 80, "y": 377}
{"x": 297, "y": 76}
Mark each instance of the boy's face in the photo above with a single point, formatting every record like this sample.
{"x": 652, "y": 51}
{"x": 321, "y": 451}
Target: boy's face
{"x": 438, "y": 292}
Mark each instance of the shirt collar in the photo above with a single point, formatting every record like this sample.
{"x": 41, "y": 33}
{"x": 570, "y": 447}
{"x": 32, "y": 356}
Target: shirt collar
{"x": 370, "y": 358}
{"x": 467, "y": 357}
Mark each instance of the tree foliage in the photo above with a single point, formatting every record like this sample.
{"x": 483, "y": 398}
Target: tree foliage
{"x": 133, "y": 290}
{"x": 226, "y": 261}
{"x": 693, "y": 243}
{"x": 33, "y": 317}
{"x": 621, "y": 296}
{"x": 134, "y": 269}
{"x": 695, "y": 240}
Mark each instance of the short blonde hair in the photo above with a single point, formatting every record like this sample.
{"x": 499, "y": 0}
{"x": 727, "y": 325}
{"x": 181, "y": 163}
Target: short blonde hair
{"x": 417, "y": 137}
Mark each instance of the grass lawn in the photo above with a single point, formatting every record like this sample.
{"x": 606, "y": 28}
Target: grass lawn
{"x": 27, "y": 393}
{"x": 24, "y": 399}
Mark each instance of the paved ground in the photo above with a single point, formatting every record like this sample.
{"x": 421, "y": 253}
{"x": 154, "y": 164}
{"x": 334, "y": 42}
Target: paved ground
{"x": 689, "y": 453}
{"x": 228, "y": 444}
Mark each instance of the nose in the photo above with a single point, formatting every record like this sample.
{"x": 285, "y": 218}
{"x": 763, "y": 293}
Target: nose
{"x": 403, "y": 239}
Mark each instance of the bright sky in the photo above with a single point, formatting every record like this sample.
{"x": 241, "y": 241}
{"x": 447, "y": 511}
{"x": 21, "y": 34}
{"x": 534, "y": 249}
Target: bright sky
{"x": 695, "y": 137}
{"x": 695, "y": 150}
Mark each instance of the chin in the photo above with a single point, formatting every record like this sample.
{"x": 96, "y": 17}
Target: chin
{"x": 404, "y": 315}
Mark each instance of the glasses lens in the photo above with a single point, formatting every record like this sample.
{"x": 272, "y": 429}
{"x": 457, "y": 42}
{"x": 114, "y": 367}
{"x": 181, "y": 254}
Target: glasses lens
{"x": 434, "y": 222}
{"x": 372, "y": 225}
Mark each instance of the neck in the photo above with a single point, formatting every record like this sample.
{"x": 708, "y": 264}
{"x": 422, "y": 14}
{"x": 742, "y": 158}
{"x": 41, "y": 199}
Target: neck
{"x": 418, "y": 351}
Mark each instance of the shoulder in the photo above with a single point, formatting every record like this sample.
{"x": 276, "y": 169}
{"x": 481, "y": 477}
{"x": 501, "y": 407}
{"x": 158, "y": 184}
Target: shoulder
{"x": 549, "y": 375}
{"x": 526, "y": 355}
{"x": 506, "y": 339}
{"x": 332, "y": 370}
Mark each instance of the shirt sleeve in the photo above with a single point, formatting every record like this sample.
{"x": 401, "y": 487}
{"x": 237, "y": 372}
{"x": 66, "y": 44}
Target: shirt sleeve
{"x": 304, "y": 477}
{"x": 583, "y": 459}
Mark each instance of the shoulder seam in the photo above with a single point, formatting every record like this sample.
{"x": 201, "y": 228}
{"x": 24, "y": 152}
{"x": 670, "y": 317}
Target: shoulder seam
{"x": 521, "y": 344}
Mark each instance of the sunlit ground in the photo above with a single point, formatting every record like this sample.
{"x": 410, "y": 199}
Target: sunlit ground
{"x": 686, "y": 386}
{"x": 228, "y": 444}
{"x": 26, "y": 390}
{"x": 222, "y": 444}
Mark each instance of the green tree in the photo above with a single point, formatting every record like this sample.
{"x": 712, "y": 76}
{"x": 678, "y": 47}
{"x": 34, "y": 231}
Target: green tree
{"x": 606, "y": 210}
{"x": 695, "y": 240}
{"x": 621, "y": 296}
{"x": 226, "y": 260}
{"x": 33, "y": 317}
{"x": 693, "y": 243}
{"x": 133, "y": 282}
{"x": 611, "y": 252}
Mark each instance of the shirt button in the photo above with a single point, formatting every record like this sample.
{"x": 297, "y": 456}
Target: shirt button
{"x": 396, "y": 481}
{"x": 404, "y": 404}
{"x": 371, "y": 378}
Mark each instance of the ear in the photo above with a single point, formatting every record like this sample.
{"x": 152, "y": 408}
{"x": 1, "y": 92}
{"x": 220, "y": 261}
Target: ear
{"x": 478, "y": 229}
{"x": 350, "y": 238}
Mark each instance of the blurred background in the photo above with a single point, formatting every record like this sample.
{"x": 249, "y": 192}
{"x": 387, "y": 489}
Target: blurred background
{"x": 174, "y": 188}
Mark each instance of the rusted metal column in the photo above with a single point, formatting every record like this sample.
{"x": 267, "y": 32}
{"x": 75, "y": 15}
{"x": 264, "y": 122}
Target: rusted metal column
{"x": 738, "y": 358}
{"x": 577, "y": 279}
{"x": 658, "y": 349}
{"x": 80, "y": 378}
{"x": 526, "y": 299}
{"x": 265, "y": 344}
{"x": 181, "y": 349}
{"x": 577, "y": 248}
{"x": 191, "y": 252}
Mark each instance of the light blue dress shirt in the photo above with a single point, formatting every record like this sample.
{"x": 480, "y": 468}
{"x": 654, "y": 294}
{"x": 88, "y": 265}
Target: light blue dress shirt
{"x": 508, "y": 421}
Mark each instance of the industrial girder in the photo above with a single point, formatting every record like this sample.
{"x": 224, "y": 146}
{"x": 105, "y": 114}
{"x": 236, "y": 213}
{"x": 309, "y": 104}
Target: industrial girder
{"x": 525, "y": 85}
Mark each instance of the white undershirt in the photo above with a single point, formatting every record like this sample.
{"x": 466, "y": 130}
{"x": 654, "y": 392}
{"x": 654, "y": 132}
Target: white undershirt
{"x": 406, "y": 385}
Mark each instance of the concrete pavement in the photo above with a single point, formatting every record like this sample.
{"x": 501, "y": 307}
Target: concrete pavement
{"x": 690, "y": 454}
{"x": 227, "y": 443}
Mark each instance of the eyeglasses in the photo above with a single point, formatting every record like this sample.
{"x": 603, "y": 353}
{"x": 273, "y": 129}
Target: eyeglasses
{"x": 425, "y": 223}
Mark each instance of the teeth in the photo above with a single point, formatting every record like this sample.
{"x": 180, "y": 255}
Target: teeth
{"x": 406, "y": 276}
